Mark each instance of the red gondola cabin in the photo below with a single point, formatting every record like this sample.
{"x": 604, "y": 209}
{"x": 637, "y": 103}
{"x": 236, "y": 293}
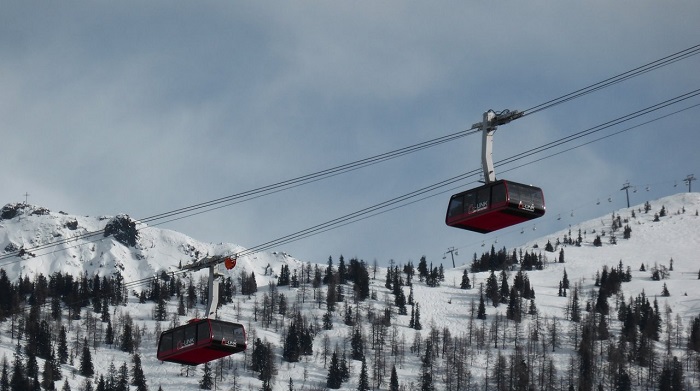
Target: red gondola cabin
{"x": 494, "y": 206}
{"x": 201, "y": 341}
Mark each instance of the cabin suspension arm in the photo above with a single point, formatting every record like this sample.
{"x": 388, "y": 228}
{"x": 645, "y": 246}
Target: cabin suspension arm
{"x": 491, "y": 120}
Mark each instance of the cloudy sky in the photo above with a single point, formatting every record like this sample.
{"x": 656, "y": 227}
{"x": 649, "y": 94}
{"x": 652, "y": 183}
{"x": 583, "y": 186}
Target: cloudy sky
{"x": 147, "y": 107}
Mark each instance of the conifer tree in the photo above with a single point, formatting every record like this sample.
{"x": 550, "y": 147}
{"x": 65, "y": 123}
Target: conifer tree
{"x": 18, "y": 380}
{"x": 4, "y": 376}
{"x": 122, "y": 382}
{"x": 416, "y": 322}
{"x": 207, "y": 382}
{"x": 363, "y": 383}
{"x": 664, "y": 291}
{"x": 32, "y": 366}
{"x": 465, "y": 284}
{"x": 492, "y": 291}
{"x": 575, "y": 308}
{"x": 426, "y": 371}
{"x": 86, "y": 367}
{"x": 357, "y": 351}
{"x": 394, "y": 381}
{"x": 109, "y": 335}
{"x": 62, "y": 346}
{"x": 334, "y": 379}
{"x": 138, "y": 378}
{"x": 505, "y": 289}
{"x": 481, "y": 312}
{"x": 101, "y": 386}
{"x": 127, "y": 339}
{"x": 49, "y": 374}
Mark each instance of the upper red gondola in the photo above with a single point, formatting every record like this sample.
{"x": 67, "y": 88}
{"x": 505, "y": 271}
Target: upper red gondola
{"x": 201, "y": 341}
{"x": 494, "y": 206}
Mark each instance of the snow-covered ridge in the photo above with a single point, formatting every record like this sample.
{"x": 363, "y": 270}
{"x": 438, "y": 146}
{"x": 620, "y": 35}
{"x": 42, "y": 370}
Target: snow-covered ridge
{"x": 35, "y": 240}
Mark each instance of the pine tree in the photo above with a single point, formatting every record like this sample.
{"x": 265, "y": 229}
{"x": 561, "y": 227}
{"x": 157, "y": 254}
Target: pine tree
{"x": 492, "y": 291}
{"x": 416, "y": 322}
{"x": 334, "y": 379}
{"x": 465, "y": 284}
{"x": 62, "y": 346}
{"x": 394, "y": 381}
{"x": 101, "y": 386}
{"x": 138, "y": 379}
{"x": 363, "y": 383}
{"x": 86, "y": 367}
{"x": 575, "y": 315}
{"x": 122, "y": 382}
{"x": 109, "y": 334}
{"x": 161, "y": 310}
{"x": 127, "y": 339}
{"x": 426, "y": 371}
{"x": 207, "y": 382}
{"x": 513, "y": 312}
{"x": 357, "y": 350}
{"x": 48, "y": 374}
{"x": 665, "y": 292}
{"x": 292, "y": 345}
{"x": 32, "y": 366}
{"x": 4, "y": 377}
{"x": 505, "y": 289}
{"x": 328, "y": 320}
{"x": 19, "y": 378}
{"x": 481, "y": 312}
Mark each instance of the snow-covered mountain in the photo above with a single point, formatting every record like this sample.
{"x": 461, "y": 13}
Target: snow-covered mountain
{"x": 36, "y": 241}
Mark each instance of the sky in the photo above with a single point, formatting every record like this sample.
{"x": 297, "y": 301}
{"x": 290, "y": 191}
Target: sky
{"x": 144, "y": 108}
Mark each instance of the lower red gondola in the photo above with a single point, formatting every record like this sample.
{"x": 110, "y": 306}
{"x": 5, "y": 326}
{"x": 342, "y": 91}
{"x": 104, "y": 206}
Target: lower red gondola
{"x": 495, "y": 206}
{"x": 201, "y": 341}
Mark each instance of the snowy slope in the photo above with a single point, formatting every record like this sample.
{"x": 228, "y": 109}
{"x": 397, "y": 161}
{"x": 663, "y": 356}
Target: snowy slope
{"x": 675, "y": 236}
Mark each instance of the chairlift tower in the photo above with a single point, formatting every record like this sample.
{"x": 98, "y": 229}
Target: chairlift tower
{"x": 453, "y": 251}
{"x": 689, "y": 180}
{"x": 626, "y": 188}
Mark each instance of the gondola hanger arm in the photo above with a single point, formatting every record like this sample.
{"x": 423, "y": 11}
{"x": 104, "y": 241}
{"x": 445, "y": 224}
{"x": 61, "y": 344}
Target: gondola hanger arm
{"x": 491, "y": 120}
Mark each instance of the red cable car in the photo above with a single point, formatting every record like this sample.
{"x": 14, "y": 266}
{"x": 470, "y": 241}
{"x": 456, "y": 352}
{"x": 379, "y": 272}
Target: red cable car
{"x": 201, "y": 341}
{"x": 497, "y": 204}
{"x": 494, "y": 206}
